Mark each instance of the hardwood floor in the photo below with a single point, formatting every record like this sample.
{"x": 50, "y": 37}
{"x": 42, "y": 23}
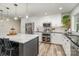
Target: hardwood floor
{"x": 50, "y": 49}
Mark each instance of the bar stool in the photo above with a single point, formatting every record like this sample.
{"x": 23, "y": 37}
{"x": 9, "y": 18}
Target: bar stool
{"x": 1, "y": 47}
{"x": 8, "y": 46}
{"x": 0, "y": 50}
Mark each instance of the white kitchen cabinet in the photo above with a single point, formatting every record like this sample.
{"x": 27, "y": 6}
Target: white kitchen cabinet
{"x": 66, "y": 46}
{"x": 63, "y": 40}
{"x": 56, "y": 38}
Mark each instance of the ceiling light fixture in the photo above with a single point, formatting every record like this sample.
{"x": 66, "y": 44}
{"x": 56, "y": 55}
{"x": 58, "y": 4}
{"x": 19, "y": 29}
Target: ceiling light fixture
{"x": 27, "y": 17}
{"x": 60, "y": 8}
{"x": 15, "y": 18}
{"x": 27, "y": 11}
{"x": 7, "y": 14}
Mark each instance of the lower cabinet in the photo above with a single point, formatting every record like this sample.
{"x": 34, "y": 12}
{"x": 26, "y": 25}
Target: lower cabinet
{"x": 74, "y": 50}
{"x": 30, "y": 48}
{"x": 63, "y": 40}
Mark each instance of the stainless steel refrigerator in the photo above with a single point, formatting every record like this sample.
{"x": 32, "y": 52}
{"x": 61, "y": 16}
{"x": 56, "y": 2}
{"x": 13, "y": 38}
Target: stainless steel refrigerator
{"x": 29, "y": 28}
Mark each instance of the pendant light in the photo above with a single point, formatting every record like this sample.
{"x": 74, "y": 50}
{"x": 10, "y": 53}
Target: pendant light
{"x": 15, "y": 18}
{"x": 1, "y": 16}
{"x": 7, "y": 14}
{"x": 27, "y": 11}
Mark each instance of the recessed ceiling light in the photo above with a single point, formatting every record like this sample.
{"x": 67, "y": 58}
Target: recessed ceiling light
{"x": 27, "y": 17}
{"x": 60, "y": 8}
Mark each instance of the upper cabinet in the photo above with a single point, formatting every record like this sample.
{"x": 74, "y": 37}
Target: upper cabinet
{"x": 76, "y": 22}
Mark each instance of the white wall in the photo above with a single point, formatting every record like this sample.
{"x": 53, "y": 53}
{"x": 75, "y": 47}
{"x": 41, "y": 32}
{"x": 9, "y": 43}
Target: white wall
{"x": 5, "y": 26}
{"x": 73, "y": 18}
{"x": 55, "y": 20}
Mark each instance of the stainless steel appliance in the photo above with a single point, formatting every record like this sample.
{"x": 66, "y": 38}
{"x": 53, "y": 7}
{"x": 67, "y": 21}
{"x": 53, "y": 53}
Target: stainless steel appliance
{"x": 29, "y": 28}
{"x": 46, "y": 35}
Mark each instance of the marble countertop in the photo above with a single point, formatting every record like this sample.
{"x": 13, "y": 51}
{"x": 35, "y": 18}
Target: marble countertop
{"x": 20, "y": 38}
{"x": 72, "y": 33}
{"x": 75, "y": 33}
{"x": 49, "y": 32}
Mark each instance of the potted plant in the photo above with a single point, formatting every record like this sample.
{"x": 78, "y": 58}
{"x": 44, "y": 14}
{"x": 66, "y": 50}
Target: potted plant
{"x": 66, "y": 22}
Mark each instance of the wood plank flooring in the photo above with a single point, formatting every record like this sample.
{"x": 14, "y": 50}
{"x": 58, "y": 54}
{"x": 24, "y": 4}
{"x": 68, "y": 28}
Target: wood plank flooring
{"x": 48, "y": 49}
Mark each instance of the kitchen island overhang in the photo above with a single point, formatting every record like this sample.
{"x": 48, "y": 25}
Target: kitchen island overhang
{"x": 28, "y": 44}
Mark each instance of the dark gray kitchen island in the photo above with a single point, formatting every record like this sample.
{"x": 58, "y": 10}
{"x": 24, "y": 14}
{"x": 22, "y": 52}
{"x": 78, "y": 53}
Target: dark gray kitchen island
{"x": 26, "y": 44}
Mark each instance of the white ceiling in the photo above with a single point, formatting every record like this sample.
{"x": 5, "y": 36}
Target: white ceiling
{"x": 36, "y": 9}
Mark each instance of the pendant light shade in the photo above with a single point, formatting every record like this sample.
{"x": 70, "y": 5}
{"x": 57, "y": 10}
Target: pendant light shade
{"x": 16, "y": 17}
{"x": 7, "y": 19}
{"x": 1, "y": 16}
{"x": 27, "y": 16}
